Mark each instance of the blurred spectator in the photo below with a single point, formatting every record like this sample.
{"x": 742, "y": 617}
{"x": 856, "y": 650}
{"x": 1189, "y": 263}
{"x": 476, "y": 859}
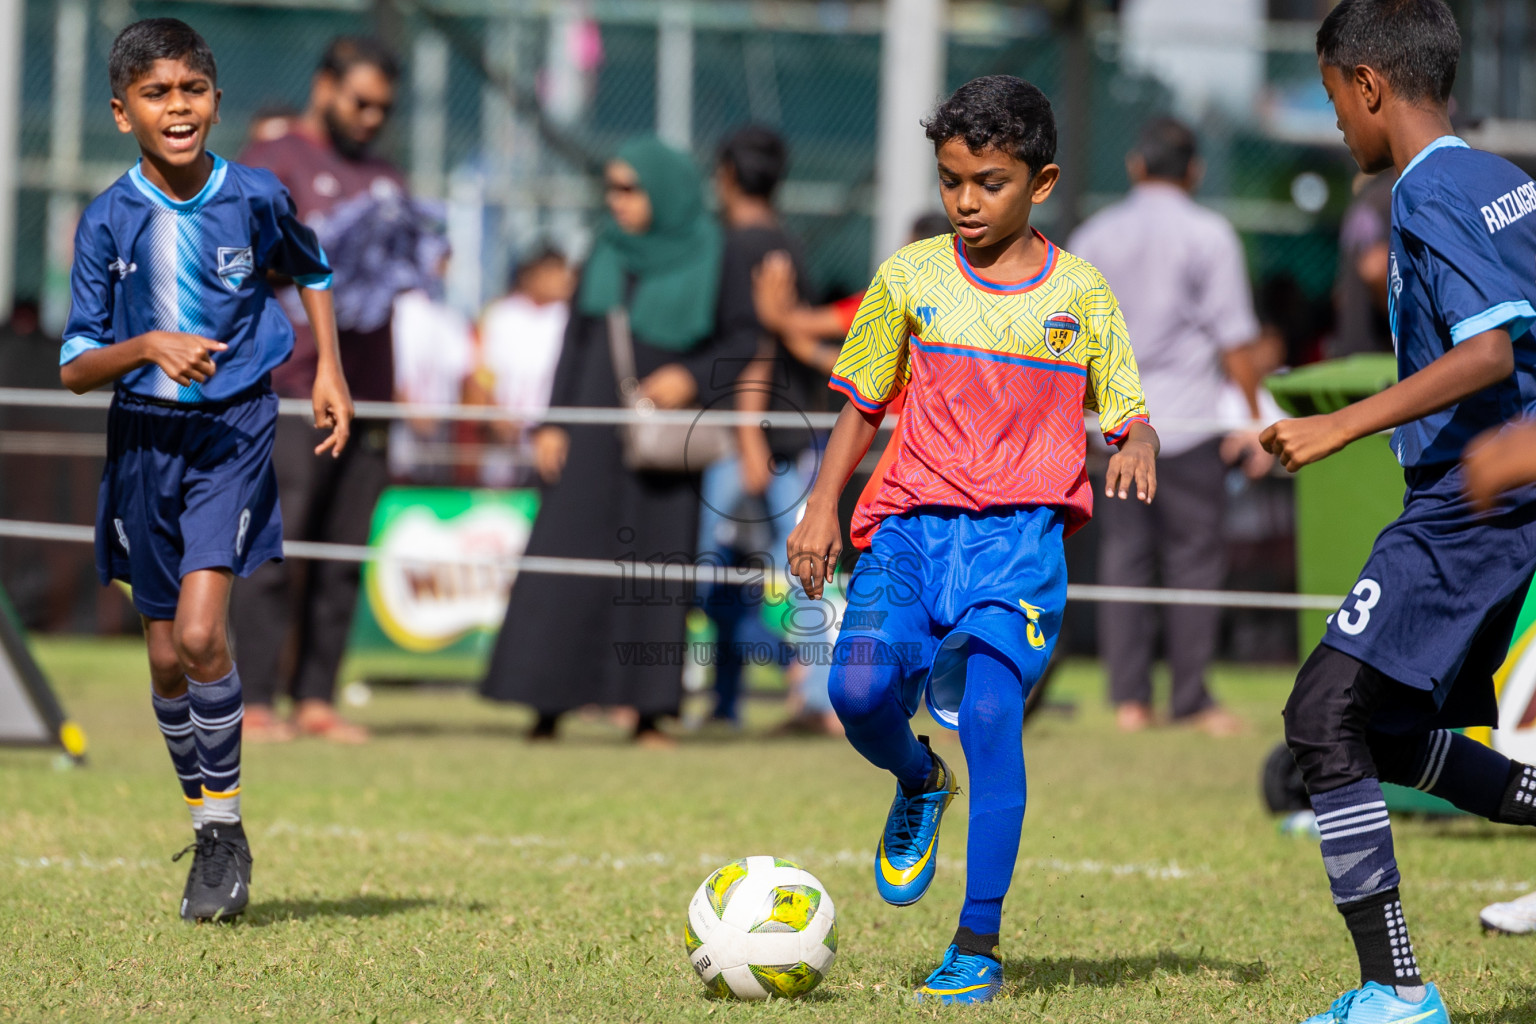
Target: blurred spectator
{"x": 271, "y": 121}
{"x": 814, "y": 335}
{"x": 520, "y": 338}
{"x": 1291, "y": 318}
{"x": 434, "y": 356}
{"x": 1180, "y": 277}
{"x": 571, "y": 641}
{"x": 749, "y": 500}
{"x": 1360, "y": 290}
{"x": 358, "y": 205}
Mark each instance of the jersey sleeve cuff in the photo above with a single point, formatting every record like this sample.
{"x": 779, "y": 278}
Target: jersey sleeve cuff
{"x": 76, "y": 346}
{"x": 314, "y": 282}
{"x": 1123, "y": 431}
{"x": 1518, "y": 315}
{"x": 850, "y": 389}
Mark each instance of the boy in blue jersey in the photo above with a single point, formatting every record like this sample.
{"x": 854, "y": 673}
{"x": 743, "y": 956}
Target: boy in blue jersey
{"x": 170, "y": 303}
{"x": 1411, "y": 654}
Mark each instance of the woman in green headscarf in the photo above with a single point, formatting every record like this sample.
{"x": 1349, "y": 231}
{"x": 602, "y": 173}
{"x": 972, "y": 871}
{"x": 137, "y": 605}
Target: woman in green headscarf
{"x": 572, "y": 641}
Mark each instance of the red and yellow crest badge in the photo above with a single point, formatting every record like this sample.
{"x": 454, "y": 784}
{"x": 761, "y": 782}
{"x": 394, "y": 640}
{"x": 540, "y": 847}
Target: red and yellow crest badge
{"x": 1061, "y": 332}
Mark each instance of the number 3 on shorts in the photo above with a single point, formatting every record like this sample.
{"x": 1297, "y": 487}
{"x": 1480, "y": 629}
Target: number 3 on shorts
{"x": 1353, "y": 621}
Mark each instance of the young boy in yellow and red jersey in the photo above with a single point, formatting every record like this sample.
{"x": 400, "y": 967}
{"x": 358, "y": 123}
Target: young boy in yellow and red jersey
{"x": 999, "y": 340}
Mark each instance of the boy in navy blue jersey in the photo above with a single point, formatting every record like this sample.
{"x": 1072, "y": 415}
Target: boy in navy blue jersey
{"x": 171, "y": 304}
{"x": 1411, "y": 654}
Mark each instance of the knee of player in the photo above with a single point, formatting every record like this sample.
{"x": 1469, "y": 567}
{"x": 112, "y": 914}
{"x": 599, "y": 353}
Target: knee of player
{"x": 861, "y": 678}
{"x": 1313, "y": 705}
{"x": 201, "y": 647}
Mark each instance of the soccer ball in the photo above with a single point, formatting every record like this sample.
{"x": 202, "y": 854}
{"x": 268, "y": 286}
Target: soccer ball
{"x": 761, "y": 927}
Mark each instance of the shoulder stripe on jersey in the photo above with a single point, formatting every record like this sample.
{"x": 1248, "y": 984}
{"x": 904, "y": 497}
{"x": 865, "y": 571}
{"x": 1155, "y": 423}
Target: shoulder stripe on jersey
{"x": 999, "y": 357}
{"x": 1007, "y": 287}
{"x": 851, "y": 389}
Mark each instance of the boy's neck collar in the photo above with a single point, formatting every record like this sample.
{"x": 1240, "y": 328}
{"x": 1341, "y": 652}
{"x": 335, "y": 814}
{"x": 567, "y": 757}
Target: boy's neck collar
{"x": 1007, "y": 287}
{"x": 1443, "y": 142}
{"x": 210, "y": 185}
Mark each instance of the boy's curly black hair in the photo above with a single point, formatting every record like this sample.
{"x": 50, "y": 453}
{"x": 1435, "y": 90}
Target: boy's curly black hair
{"x": 138, "y": 46}
{"x": 998, "y": 112}
{"x": 1414, "y": 44}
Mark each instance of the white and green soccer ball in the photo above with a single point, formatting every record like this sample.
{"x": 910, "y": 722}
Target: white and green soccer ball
{"x": 761, "y": 927}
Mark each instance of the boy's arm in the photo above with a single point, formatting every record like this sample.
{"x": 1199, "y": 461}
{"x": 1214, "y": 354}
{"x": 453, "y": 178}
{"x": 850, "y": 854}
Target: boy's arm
{"x": 1480, "y": 361}
{"x": 184, "y": 358}
{"x": 332, "y": 400}
{"x": 816, "y": 543}
{"x": 1114, "y": 392}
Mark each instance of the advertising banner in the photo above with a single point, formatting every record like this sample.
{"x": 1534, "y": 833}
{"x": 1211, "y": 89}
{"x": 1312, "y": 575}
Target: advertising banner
{"x": 420, "y": 615}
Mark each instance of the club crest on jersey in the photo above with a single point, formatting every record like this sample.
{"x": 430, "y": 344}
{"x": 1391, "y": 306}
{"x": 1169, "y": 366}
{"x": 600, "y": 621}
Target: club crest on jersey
{"x": 1061, "y": 332}
{"x": 235, "y": 265}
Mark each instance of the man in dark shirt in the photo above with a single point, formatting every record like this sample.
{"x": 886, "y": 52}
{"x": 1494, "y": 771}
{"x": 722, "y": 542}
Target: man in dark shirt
{"x": 353, "y": 200}
{"x": 750, "y": 500}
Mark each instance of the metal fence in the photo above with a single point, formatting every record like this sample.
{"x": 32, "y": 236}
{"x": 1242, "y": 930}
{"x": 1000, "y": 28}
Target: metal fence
{"x": 506, "y": 104}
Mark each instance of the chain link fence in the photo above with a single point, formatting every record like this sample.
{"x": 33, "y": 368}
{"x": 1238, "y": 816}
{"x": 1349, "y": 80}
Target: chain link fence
{"x": 507, "y": 107}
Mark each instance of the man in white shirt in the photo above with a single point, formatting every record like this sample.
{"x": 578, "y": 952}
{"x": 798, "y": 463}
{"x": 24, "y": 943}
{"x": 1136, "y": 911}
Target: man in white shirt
{"x": 1179, "y": 273}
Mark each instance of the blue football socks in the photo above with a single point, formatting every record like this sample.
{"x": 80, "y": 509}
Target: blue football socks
{"x": 1362, "y": 871}
{"x": 217, "y": 711}
{"x": 991, "y": 733}
{"x": 174, "y": 716}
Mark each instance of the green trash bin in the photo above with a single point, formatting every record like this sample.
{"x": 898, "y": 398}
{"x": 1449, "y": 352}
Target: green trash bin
{"x": 1343, "y": 502}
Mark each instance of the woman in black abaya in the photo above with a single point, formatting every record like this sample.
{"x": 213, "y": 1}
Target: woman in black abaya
{"x": 571, "y": 641}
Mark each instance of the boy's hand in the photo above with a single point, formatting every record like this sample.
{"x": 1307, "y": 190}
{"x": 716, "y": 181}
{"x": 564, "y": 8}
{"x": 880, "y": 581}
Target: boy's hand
{"x": 1499, "y": 460}
{"x": 670, "y": 386}
{"x": 1303, "y": 441}
{"x": 185, "y": 358}
{"x": 814, "y": 548}
{"x": 550, "y": 447}
{"x": 1135, "y": 464}
{"x": 333, "y": 410}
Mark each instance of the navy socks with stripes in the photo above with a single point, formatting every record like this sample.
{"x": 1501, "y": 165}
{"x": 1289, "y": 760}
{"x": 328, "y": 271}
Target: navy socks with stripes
{"x": 174, "y": 715}
{"x": 217, "y": 711}
{"x": 1362, "y": 871}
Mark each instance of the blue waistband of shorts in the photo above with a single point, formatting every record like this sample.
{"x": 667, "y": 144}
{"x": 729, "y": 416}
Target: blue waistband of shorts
{"x": 990, "y": 512}
{"x": 122, "y": 396}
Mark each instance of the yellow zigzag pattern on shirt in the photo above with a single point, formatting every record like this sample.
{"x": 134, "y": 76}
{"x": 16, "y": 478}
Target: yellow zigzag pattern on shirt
{"x": 921, "y": 292}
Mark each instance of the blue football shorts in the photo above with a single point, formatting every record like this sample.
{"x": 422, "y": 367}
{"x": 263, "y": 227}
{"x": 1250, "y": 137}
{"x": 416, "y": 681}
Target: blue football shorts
{"x": 1436, "y": 604}
{"x": 934, "y": 577}
{"x": 186, "y": 486}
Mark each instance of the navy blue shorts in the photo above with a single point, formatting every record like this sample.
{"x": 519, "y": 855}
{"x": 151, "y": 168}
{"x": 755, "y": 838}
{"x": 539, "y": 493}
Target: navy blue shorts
{"x": 186, "y": 487}
{"x": 935, "y": 576}
{"x": 1435, "y": 606}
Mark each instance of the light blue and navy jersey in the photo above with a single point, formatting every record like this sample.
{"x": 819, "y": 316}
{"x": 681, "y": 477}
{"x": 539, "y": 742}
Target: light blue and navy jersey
{"x": 146, "y": 262}
{"x": 1463, "y": 262}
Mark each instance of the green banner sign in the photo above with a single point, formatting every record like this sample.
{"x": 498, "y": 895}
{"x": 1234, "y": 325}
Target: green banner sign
{"x": 420, "y": 615}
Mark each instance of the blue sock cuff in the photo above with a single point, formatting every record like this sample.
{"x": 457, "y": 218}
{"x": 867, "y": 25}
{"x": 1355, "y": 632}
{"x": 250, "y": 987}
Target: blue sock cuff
{"x": 1356, "y": 843}
{"x": 218, "y": 691}
{"x": 171, "y": 707}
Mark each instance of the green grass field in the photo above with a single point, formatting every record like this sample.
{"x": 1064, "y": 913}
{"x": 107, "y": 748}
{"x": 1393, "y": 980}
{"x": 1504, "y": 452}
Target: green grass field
{"x": 451, "y": 872}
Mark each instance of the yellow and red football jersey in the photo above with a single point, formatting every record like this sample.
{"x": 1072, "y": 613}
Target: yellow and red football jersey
{"x": 996, "y": 377}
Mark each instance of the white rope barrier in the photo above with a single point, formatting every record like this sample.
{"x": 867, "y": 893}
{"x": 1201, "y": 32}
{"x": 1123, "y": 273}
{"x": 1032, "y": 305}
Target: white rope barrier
{"x": 45, "y": 398}
{"x": 649, "y": 573}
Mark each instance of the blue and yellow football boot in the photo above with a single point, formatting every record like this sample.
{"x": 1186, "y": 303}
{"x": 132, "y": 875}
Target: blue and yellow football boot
{"x": 908, "y": 852}
{"x": 1379, "y": 1004}
{"x": 962, "y": 978}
